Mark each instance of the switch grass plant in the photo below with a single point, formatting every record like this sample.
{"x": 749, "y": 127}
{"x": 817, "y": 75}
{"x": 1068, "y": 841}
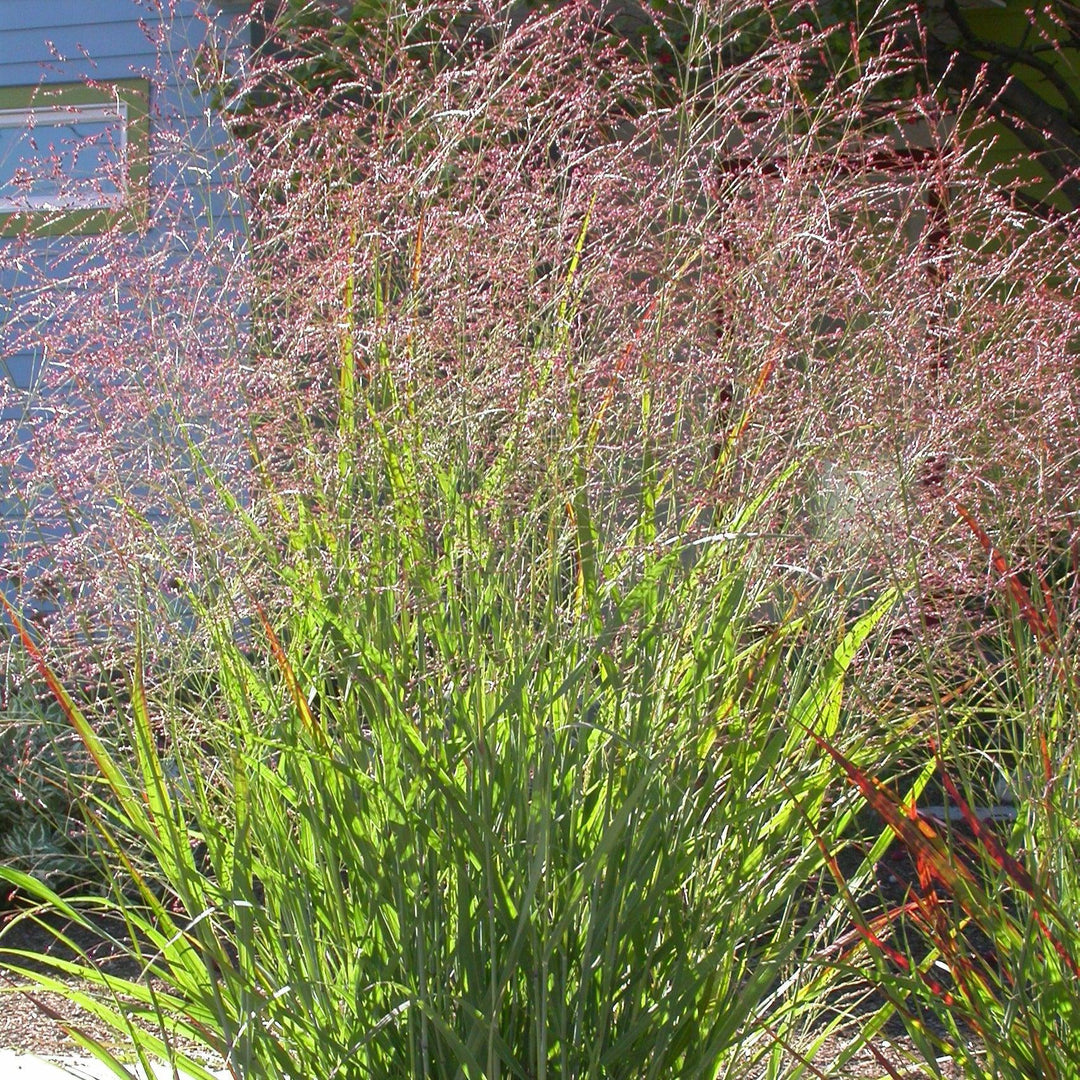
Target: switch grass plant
{"x": 981, "y": 960}
{"x": 506, "y": 577}
{"x": 496, "y": 796}
{"x": 487, "y": 779}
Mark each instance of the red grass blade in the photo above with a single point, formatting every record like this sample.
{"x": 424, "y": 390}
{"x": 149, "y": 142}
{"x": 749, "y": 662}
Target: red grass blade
{"x": 1015, "y": 870}
{"x": 1020, "y": 595}
{"x": 884, "y": 1062}
{"x": 71, "y": 711}
{"x": 918, "y": 835}
{"x": 1011, "y": 866}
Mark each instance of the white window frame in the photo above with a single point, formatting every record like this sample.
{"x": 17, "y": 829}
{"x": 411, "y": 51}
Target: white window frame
{"x": 87, "y": 195}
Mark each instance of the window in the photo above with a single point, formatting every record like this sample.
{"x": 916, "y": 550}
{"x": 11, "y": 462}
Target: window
{"x": 73, "y": 158}
{"x": 63, "y": 156}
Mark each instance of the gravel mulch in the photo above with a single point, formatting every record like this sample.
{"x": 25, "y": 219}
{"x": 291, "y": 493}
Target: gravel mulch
{"x": 31, "y": 1020}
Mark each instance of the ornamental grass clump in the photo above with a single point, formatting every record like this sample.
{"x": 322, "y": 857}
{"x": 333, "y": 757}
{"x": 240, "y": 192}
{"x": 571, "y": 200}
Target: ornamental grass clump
{"x": 500, "y": 548}
{"x": 981, "y": 959}
{"x": 499, "y": 796}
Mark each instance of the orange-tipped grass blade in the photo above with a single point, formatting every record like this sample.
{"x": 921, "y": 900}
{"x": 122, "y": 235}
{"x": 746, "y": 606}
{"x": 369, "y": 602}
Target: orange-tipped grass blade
{"x": 292, "y": 683}
{"x": 82, "y": 727}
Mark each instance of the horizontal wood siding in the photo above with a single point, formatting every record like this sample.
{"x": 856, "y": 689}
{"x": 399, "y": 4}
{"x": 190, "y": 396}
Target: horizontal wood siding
{"x": 65, "y": 41}
{"x": 104, "y": 39}
{"x": 46, "y": 14}
{"x": 19, "y": 369}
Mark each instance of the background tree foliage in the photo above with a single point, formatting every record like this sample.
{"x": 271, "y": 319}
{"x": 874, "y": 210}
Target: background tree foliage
{"x": 1021, "y": 64}
{"x": 1009, "y": 70}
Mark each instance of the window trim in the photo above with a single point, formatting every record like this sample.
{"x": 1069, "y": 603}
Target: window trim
{"x": 132, "y": 98}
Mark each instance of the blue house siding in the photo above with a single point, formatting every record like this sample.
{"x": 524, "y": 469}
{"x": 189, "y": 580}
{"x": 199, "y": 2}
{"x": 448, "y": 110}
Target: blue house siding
{"x": 70, "y": 40}
{"x": 47, "y": 43}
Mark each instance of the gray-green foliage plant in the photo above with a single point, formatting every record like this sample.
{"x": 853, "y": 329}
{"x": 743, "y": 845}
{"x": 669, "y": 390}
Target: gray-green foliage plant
{"x": 42, "y": 768}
